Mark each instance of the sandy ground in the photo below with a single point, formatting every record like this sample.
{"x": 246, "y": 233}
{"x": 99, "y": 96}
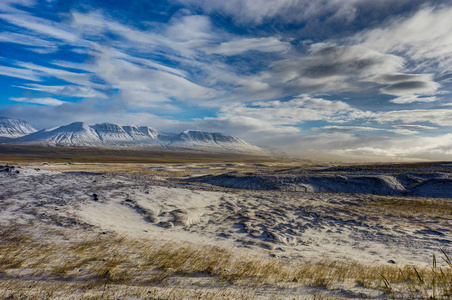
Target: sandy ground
{"x": 170, "y": 202}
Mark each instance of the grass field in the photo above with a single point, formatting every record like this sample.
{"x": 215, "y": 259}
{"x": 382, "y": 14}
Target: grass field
{"x": 19, "y": 153}
{"x": 148, "y": 234}
{"x": 85, "y": 265}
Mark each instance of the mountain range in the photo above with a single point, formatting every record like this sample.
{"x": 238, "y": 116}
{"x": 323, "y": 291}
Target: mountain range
{"x": 107, "y": 135}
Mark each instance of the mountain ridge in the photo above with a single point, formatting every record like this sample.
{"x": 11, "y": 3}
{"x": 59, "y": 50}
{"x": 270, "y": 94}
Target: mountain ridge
{"x": 109, "y": 135}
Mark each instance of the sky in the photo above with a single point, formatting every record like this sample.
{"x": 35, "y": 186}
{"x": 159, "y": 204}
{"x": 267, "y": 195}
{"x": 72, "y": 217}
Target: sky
{"x": 332, "y": 79}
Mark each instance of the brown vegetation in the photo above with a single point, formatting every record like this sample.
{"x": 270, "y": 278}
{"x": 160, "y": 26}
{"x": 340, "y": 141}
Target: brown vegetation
{"x": 99, "y": 266}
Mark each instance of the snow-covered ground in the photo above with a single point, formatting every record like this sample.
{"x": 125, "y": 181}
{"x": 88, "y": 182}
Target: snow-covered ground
{"x": 236, "y": 212}
{"x": 423, "y": 180}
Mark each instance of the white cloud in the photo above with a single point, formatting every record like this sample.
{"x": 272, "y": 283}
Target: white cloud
{"x": 424, "y": 37}
{"x": 404, "y": 131}
{"x": 10, "y": 5}
{"x": 441, "y": 117}
{"x": 141, "y": 85}
{"x": 348, "y": 128}
{"x": 414, "y": 127}
{"x": 400, "y": 129}
{"x": 238, "y": 46}
{"x": 20, "y": 73}
{"x": 116, "y": 54}
{"x": 436, "y": 148}
{"x": 40, "y": 25}
{"x": 42, "y": 101}
{"x": 287, "y": 11}
{"x": 82, "y": 79}
{"x": 34, "y": 43}
{"x": 66, "y": 90}
{"x": 195, "y": 29}
{"x": 184, "y": 35}
{"x": 413, "y": 98}
{"x": 297, "y": 111}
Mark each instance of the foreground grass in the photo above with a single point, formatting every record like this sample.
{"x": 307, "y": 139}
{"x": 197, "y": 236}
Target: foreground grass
{"x": 59, "y": 264}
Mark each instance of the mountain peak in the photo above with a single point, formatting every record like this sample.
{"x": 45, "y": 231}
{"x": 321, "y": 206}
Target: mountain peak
{"x": 212, "y": 141}
{"x": 76, "y": 126}
{"x": 14, "y": 128}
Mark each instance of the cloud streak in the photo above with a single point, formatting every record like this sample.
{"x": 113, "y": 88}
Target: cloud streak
{"x": 42, "y": 101}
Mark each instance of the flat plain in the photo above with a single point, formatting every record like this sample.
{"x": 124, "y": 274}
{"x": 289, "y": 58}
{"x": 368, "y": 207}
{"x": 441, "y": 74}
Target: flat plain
{"x": 225, "y": 230}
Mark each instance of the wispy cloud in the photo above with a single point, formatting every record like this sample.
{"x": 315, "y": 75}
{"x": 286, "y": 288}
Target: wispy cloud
{"x": 424, "y": 37}
{"x": 348, "y": 128}
{"x": 34, "y": 43}
{"x": 82, "y": 79}
{"x": 66, "y": 90}
{"x": 297, "y": 111}
{"x": 400, "y": 129}
{"x": 291, "y": 11}
{"x": 40, "y": 25}
{"x": 22, "y": 73}
{"x": 437, "y": 147}
{"x": 335, "y": 68}
{"x": 11, "y": 6}
{"x": 42, "y": 101}
{"x": 264, "y": 44}
{"x": 414, "y": 127}
{"x": 413, "y": 98}
{"x": 441, "y": 117}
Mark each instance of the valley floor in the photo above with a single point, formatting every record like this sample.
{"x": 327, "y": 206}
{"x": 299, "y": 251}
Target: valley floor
{"x": 169, "y": 231}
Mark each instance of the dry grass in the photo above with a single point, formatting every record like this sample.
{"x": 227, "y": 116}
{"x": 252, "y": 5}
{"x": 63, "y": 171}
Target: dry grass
{"x": 434, "y": 284}
{"x": 97, "y": 266}
{"x": 35, "y": 153}
{"x": 408, "y": 207}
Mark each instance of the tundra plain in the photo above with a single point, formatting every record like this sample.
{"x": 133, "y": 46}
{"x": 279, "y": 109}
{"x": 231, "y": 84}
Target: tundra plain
{"x": 233, "y": 230}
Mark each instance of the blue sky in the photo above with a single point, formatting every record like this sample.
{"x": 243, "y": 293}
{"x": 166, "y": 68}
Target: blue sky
{"x": 340, "y": 79}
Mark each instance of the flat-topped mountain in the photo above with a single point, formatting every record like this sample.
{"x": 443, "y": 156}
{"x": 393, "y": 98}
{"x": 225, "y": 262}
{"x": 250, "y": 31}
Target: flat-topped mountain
{"x": 107, "y": 135}
{"x": 192, "y": 139}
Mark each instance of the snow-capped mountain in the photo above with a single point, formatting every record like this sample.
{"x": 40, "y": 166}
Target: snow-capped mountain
{"x": 75, "y": 134}
{"x": 81, "y": 134}
{"x": 190, "y": 139}
{"x": 14, "y": 128}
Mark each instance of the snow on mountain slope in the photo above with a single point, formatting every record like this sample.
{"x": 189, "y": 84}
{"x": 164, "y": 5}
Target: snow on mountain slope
{"x": 138, "y": 136}
{"x": 112, "y": 134}
{"x": 190, "y": 139}
{"x": 161, "y": 137}
{"x": 75, "y": 134}
{"x": 150, "y": 132}
{"x": 80, "y": 134}
{"x": 14, "y": 128}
